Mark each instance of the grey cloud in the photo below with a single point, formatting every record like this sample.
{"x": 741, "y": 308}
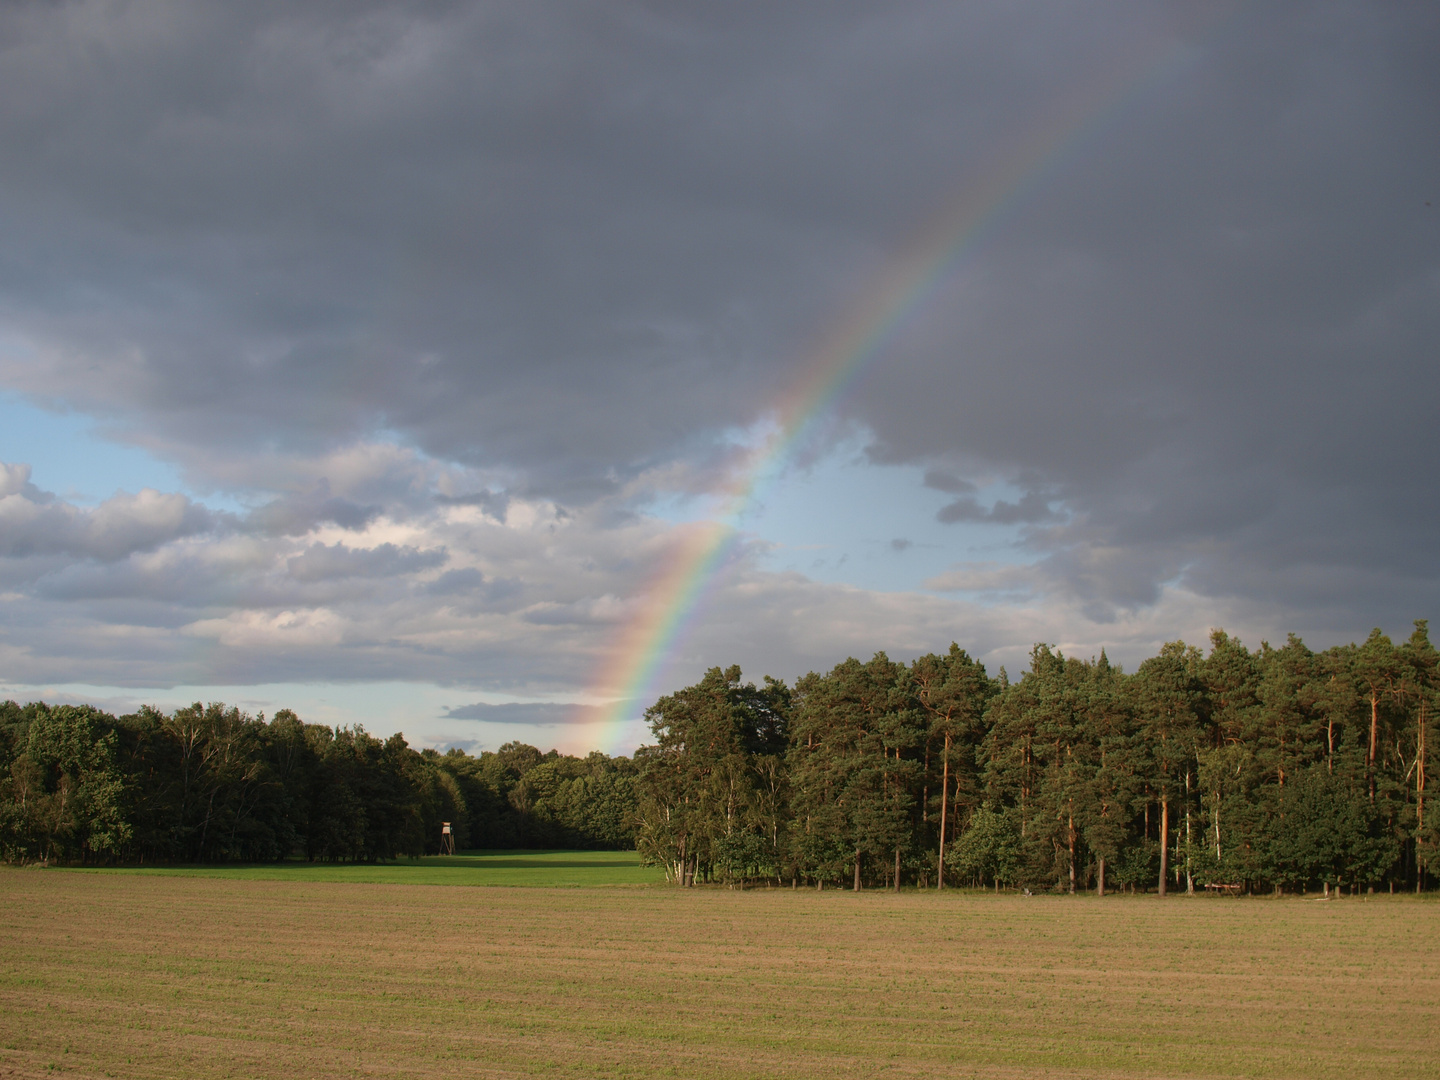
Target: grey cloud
{"x": 569, "y": 246}
{"x": 470, "y": 592}
{"x": 295, "y": 515}
{"x": 320, "y": 562}
{"x": 34, "y": 523}
{"x": 257, "y": 631}
{"x": 15, "y": 480}
{"x": 989, "y": 578}
{"x": 901, "y": 544}
{"x": 493, "y": 503}
{"x": 454, "y": 220}
{"x": 588, "y": 612}
{"x": 181, "y": 582}
{"x": 967, "y": 509}
{"x": 1032, "y": 508}
{"x": 1107, "y": 580}
{"x": 539, "y": 714}
{"x": 457, "y": 582}
{"x": 943, "y": 480}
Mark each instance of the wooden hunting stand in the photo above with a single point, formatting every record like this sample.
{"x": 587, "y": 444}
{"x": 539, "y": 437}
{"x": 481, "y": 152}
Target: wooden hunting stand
{"x": 1223, "y": 890}
{"x": 447, "y": 839}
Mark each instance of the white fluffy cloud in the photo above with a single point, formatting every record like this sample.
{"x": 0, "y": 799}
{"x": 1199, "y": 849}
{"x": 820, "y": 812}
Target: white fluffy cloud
{"x": 532, "y": 602}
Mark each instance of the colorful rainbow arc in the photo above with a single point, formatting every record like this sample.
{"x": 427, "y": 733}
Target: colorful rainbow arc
{"x": 672, "y": 598}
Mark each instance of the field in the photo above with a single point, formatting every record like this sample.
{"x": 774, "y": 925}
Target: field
{"x": 214, "y": 975}
{"x": 550, "y": 869}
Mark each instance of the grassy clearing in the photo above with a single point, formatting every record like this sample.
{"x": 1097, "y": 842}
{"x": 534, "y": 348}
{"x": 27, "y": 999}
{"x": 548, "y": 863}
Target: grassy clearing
{"x": 150, "y": 976}
{"x": 550, "y": 869}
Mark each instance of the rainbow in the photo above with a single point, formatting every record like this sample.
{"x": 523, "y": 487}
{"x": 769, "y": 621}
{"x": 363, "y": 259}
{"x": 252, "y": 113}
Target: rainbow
{"x": 672, "y": 599}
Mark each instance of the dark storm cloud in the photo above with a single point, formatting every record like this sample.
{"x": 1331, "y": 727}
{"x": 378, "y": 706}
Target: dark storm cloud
{"x": 574, "y": 241}
{"x": 1213, "y": 337}
{"x": 538, "y": 235}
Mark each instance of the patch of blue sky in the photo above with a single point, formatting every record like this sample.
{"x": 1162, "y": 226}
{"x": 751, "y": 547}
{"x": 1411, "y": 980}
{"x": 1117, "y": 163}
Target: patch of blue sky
{"x": 68, "y": 457}
{"x": 846, "y": 520}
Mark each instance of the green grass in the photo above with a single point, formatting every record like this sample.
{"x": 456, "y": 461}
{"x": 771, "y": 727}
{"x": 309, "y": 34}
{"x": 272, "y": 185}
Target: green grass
{"x": 549, "y": 869}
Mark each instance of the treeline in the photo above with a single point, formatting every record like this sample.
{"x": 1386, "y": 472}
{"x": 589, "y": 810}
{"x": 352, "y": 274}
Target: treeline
{"x": 212, "y": 784}
{"x": 1277, "y": 769}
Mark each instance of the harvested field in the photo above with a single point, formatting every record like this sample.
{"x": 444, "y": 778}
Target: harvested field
{"x": 150, "y": 976}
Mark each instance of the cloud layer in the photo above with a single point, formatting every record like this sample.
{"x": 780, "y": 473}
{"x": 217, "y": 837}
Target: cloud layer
{"x": 444, "y": 295}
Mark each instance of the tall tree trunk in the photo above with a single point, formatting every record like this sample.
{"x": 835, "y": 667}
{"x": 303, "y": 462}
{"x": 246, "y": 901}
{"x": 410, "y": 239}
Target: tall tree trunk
{"x": 925, "y": 788}
{"x": 1217, "y": 828}
{"x": 1189, "y": 877}
{"x": 1101, "y": 880}
{"x": 857, "y": 869}
{"x": 1420, "y": 797}
{"x": 1374, "y": 739}
{"x": 205, "y": 828}
{"x": 1070, "y": 836}
{"x": 1024, "y": 786}
{"x": 944, "y": 807}
{"x": 1164, "y": 843}
{"x": 897, "y": 869}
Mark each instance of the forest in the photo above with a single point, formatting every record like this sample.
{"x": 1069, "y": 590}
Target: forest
{"x": 1279, "y": 769}
{"x": 209, "y": 783}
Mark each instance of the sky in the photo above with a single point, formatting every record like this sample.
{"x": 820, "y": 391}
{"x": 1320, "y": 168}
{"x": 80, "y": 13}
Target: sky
{"x": 482, "y": 371}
